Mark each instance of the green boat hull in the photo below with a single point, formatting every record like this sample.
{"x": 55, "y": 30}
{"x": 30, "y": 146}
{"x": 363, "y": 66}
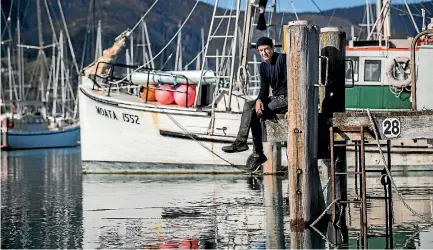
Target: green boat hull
{"x": 376, "y": 97}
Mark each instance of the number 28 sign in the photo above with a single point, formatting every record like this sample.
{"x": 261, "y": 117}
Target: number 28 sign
{"x": 391, "y": 127}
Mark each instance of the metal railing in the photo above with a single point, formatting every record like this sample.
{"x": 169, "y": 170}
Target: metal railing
{"x": 153, "y": 76}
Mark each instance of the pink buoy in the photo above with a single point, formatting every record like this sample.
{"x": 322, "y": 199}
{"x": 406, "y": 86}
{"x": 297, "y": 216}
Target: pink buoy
{"x": 181, "y": 95}
{"x": 164, "y": 95}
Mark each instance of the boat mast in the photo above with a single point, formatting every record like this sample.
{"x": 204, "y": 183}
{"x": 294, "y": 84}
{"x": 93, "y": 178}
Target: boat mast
{"x": 367, "y": 10}
{"x": 387, "y": 21}
{"x": 98, "y": 49}
{"x": 178, "y": 60}
{"x": 379, "y": 17}
{"x": 10, "y": 73}
{"x": 246, "y": 43}
{"x": 274, "y": 19}
{"x": 20, "y": 63}
{"x": 131, "y": 49}
{"x": 41, "y": 50}
{"x": 146, "y": 43}
{"x": 62, "y": 74}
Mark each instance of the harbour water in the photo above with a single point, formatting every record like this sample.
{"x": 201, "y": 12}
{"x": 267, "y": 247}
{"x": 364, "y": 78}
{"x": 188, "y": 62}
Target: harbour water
{"x": 46, "y": 202}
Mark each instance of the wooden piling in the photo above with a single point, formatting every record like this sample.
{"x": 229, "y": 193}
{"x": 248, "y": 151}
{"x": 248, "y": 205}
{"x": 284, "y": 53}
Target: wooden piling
{"x": 305, "y": 191}
{"x": 331, "y": 100}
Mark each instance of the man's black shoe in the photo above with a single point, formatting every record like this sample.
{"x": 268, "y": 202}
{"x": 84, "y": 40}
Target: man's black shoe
{"x": 255, "y": 161}
{"x": 235, "y": 147}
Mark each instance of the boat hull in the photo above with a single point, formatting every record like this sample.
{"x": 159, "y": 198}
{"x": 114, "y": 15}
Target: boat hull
{"x": 121, "y": 135}
{"x": 67, "y": 137}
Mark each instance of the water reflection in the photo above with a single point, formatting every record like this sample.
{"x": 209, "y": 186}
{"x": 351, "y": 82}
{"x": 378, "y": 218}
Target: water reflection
{"x": 47, "y": 203}
{"x": 274, "y": 208}
{"x": 220, "y": 211}
{"x": 41, "y": 197}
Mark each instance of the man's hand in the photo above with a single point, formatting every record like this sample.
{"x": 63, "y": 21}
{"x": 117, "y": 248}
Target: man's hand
{"x": 259, "y": 107}
{"x": 286, "y": 115}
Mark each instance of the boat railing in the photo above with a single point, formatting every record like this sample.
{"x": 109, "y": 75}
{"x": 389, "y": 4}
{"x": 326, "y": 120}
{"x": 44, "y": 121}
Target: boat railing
{"x": 153, "y": 76}
{"x": 110, "y": 78}
{"x": 28, "y": 122}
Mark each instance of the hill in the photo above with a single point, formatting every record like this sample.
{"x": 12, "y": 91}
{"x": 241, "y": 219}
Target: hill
{"x": 162, "y": 22}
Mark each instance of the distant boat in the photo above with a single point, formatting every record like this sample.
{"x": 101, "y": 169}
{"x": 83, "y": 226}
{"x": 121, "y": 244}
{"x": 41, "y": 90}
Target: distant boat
{"x": 31, "y": 131}
{"x": 378, "y": 65}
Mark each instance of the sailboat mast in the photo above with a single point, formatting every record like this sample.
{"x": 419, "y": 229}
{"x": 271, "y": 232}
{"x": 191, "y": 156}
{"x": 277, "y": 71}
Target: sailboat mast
{"x": 62, "y": 74}
{"x": 20, "y": 64}
{"x": 10, "y": 73}
{"x": 1, "y": 70}
{"x": 40, "y": 54}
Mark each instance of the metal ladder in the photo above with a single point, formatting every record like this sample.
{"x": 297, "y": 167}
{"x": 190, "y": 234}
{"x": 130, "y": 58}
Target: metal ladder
{"x": 361, "y": 196}
{"x": 228, "y": 56}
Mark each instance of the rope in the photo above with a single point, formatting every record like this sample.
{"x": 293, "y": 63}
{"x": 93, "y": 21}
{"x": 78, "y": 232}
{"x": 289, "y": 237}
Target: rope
{"x": 389, "y": 173}
{"x": 145, "y": 14}
{"x": 330, "y": 244}
{"x": 324, "y": 212}
{"x": 86, "y": 35}
{"x": 294, "y": 10}
{"x": 160, "y": 52}
{"x": 51, "y": 21}
{"x": 68, "y": 38}
{"x": 396, "y": 91}
{"x": 420, "y": 229}
{"x": 192, "y": 137}
{"x": 326, "y": 185}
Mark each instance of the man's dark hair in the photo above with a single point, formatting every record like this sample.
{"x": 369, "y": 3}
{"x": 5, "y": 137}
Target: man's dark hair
{"x": 265, "y": 41}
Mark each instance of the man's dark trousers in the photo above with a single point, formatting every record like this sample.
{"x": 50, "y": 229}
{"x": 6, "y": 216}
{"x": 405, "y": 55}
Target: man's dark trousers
{"x": 250, "y": 119}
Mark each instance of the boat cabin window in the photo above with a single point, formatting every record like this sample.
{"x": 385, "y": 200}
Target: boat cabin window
{"x": 33, "y": 120}
{"x": 372, "y": 70}
{"x": 355, "y": 62}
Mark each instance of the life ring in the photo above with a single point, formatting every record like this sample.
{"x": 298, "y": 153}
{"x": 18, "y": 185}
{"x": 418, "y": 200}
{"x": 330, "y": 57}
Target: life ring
{"x": 398, "y": 72}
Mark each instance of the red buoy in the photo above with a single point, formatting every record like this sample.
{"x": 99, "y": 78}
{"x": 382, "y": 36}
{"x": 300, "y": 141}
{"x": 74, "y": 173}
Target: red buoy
{"x": 190, "y": 243}
{"x": 180, "y": 97}
{"x": 169, "y": 244}
{"x": 164, "y": 95}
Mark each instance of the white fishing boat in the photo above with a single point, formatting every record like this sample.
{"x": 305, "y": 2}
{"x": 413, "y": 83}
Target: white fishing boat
{"x": 117, "y": 125}
{"x": 129, "y": 114}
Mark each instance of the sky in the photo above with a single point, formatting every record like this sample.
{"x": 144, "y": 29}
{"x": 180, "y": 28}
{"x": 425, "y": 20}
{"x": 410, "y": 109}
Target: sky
{"x": 308, "y": 5}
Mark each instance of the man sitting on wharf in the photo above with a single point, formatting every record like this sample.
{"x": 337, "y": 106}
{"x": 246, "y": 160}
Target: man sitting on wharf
{"x": 273, "y": 73}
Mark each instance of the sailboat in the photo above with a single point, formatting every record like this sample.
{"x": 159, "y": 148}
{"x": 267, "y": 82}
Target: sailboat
{"x": 25, "y": 123}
